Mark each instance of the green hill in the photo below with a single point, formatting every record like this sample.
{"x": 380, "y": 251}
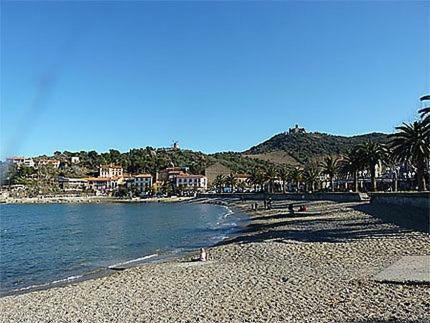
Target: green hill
{"x": 306, "y": 146}
{"x": 284, "y": 148}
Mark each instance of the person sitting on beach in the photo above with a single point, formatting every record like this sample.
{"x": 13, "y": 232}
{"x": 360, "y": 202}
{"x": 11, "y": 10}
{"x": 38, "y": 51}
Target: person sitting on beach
{"x": 203, "y": 255}
{"x": 291, "y": 207}
{"x": 302, "y": 208}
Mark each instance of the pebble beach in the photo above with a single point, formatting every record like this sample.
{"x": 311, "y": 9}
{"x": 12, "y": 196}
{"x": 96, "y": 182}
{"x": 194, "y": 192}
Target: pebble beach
{"x": 313, "y": 267}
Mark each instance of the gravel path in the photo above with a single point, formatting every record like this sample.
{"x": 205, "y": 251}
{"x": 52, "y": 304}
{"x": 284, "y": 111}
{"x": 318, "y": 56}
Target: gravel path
{"x": 283, "y": 268}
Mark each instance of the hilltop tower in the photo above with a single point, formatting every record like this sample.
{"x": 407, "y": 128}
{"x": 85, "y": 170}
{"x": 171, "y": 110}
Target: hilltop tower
{"x": 296, "y": 130}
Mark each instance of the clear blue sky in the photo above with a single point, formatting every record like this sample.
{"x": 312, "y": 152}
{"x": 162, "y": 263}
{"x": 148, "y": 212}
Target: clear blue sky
{"x": 216, "y": 76}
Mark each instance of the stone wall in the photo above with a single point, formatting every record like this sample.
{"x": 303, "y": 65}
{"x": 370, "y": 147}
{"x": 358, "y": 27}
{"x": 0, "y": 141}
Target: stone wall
{"x": 409, "y": 210}
{"x": 415, "y": 199}
{"x": 336, "y": 197}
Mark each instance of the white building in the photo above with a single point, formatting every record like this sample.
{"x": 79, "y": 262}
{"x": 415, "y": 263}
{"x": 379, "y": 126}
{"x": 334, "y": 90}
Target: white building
{"x": 142, "y": 183}
{"x": 188, "y": 181}
{"x": 21, "y": 161}
{"x": 72, "y": 184}
{"x": 74, "y": 160}
{"x": 111, "y": 170}
{"x": 49, "y": 162}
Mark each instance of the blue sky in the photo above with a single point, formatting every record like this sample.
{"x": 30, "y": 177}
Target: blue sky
{"x": 216, "y": 76}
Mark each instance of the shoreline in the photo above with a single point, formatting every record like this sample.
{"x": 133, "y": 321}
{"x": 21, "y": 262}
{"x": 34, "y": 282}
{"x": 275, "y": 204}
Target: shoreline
{"x": 280, "y": 267}
{"x": 132, "y": 263}
{"x": 90, "y": 200}
{"x": 96, "y": 274}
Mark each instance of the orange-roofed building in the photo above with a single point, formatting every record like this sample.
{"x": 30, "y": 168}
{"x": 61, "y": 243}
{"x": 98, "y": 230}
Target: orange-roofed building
{"x": 169, "y": 174}
{"x": 103, "y": 185}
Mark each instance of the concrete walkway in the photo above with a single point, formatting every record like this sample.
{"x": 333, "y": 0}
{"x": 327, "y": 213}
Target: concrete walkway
{"x": 409, "y": 269}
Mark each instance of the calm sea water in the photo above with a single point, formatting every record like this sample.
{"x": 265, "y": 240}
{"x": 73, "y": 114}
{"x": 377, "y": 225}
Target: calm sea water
{"x": 52, "y": 243}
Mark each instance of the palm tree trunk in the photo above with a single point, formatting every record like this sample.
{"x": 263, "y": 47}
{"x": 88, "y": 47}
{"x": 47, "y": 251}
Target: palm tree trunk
{"x": 332, "y": 183}
{"x": 373, "y": 179}
{"x": 420, "y": 177}
{"x": 355, "y": 181}
{"x": 396, "y": 183}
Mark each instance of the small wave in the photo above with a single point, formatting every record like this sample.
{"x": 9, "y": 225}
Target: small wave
{"x": 67, "y": 279}
{"x": 219, "y": 238}
{"x": 133, "y": 260}
{"x": 229, "y": 212}
{"x": 31, "y": 287}
{"x": 41, "y": 286}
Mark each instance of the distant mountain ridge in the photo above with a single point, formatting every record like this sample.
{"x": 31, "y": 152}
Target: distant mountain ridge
{"x": 313, "y": 145}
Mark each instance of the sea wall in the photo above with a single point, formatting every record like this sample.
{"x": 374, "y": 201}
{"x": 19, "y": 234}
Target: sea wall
{"x": 419, "y": 200}
{"x": 409, "y": 210}
{"x": 336, "y": 197}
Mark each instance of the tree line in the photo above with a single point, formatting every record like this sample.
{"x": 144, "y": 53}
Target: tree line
{"x": 409, "y": 145}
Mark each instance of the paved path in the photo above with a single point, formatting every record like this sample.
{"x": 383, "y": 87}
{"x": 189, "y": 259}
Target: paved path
{"x": 409, "y": 269}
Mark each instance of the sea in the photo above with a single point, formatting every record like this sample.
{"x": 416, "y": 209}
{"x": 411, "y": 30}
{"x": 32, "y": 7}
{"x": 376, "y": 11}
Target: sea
{"x": 44, "y": 245}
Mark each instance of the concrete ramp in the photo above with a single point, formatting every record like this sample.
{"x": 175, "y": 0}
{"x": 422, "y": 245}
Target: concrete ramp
{"x": 407, "y": 270}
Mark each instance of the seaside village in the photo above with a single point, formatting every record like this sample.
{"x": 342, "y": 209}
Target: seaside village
{"x": 112, "y": 180}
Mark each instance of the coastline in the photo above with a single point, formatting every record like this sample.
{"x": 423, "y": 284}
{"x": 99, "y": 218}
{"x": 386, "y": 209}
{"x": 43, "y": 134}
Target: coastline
{"x": 315, "y": 267}
{"x": 141, "y": 261}
{"x": 90, "y": 199}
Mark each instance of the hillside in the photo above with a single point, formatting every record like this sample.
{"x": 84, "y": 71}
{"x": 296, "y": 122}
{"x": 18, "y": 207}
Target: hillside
{"x": 306, "y": 146}
{"x": 278, "y": 157}
{"x": 291, "y": 149}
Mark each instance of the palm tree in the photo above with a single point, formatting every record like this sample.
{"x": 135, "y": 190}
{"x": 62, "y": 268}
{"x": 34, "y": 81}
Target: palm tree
{"x": 219, "y": 182}
{"x": 425, "y": 113}
{"x": 330, "y": 168}
{"x": 231, "y": 181}
{"x": 283, "y": 175}
{"x": 373, "y": 154}
{"x": 261, "y": 179}
{"x": 311, "y": 174}
{"x": 241, "y": 186}
{"x": 411, "y": 144}
{"x": 255, "y": 178}
{"x": 271, "y": 175}
{"x": 252, "y": 179}
{"x": 350, "y": 164}
{"x": 425, "y": 118}
{"x": 296, "y": 175}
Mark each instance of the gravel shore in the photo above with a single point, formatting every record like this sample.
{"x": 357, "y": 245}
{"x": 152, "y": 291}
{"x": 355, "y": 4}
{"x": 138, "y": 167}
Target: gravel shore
{"x": 89, "y": 199}
{"x": 296, "y": 268}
